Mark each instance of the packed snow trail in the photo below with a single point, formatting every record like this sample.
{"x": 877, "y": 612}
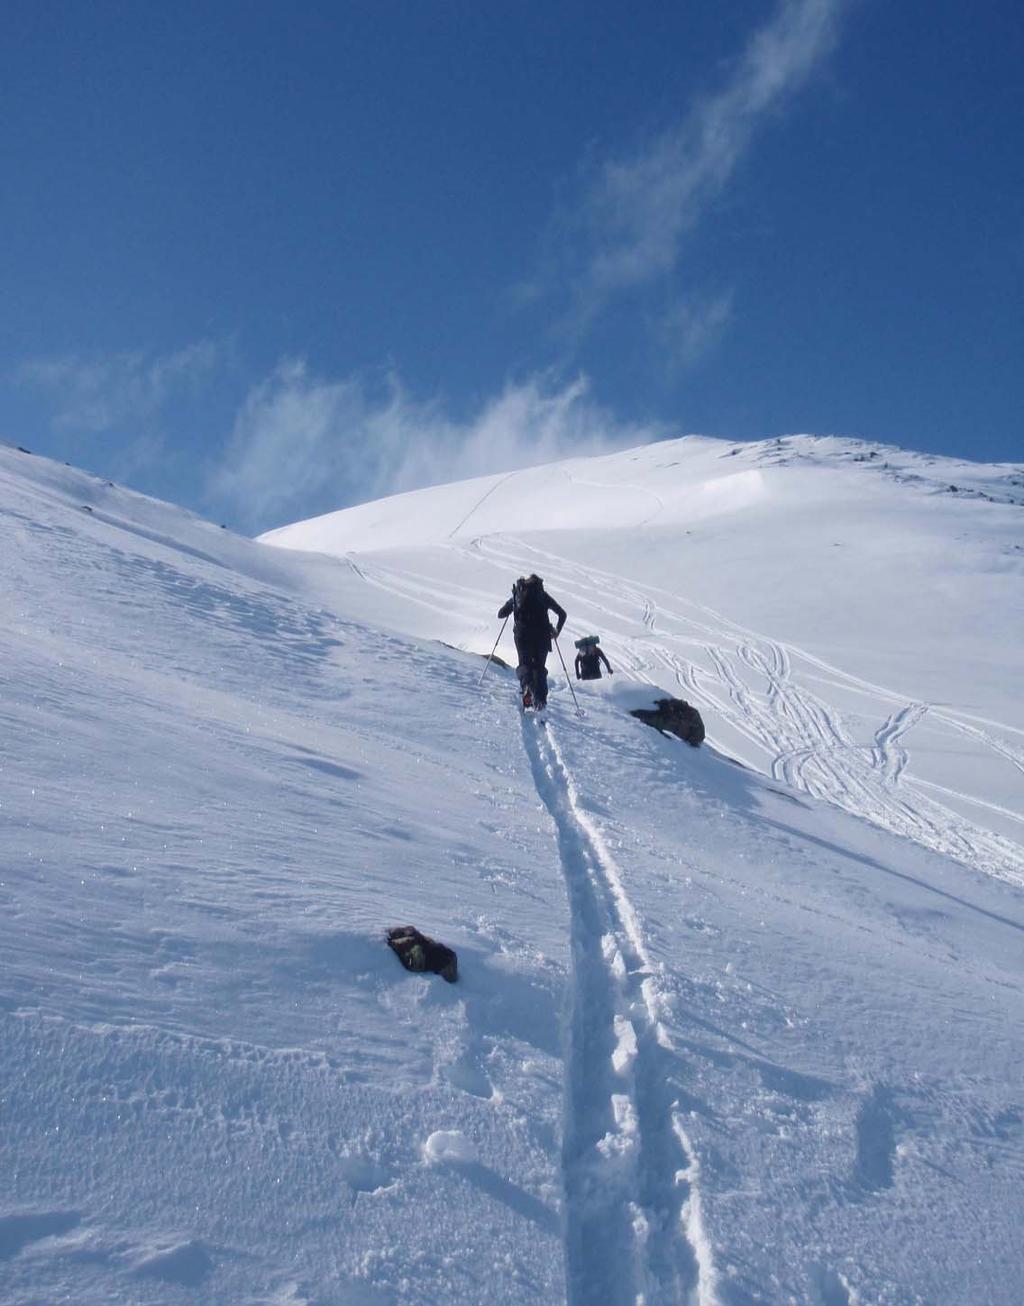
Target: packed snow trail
{"x": 633, "y": 1214}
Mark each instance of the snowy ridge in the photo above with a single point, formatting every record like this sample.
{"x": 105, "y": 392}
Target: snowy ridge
{"x": 672, "y": 483}
{"x": 932, "y": 473}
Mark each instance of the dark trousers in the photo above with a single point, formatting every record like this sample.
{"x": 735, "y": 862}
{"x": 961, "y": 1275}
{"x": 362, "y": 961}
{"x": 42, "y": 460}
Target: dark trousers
{"x": 532, "y": 669}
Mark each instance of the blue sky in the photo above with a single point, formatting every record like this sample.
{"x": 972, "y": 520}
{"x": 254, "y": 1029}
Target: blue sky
{"x": 266, "y": 260}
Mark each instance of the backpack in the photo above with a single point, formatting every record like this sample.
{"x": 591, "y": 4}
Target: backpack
{"x": 529, "y": 600}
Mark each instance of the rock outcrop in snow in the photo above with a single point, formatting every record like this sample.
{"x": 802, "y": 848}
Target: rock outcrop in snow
{"x": 673, "y": 716}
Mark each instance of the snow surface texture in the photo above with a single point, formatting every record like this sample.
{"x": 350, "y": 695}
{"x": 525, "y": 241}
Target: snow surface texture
{"x": 722, "y": 1034}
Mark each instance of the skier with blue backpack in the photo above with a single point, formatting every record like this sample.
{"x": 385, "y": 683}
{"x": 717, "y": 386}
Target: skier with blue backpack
{"x": 532, "y": 631}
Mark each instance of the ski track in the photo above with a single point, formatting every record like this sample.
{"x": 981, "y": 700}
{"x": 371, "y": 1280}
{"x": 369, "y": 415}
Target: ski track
{"x": 636, "y": 489}
{"x": 746, "y": 680}
{"x": 889, "y": 756}
{"x": 1013, "y": 755}
{"x": 479, "y": 503}
{"x": 634, "y": 1228}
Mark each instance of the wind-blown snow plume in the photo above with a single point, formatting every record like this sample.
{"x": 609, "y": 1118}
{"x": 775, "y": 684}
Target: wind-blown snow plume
{"x": 302, "y": 444}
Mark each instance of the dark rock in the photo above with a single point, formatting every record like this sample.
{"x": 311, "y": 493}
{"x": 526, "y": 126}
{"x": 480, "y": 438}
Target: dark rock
{"x": 674, "y": 717}
{"x": 419, "y": 953}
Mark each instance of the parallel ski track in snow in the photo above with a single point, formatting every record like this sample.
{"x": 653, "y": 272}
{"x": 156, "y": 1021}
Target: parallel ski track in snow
{"x": 634, "y": 1227}
{"x": 746, "y": 679}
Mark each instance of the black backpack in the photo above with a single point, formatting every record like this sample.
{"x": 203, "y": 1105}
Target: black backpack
{"x": 529, "y": 600}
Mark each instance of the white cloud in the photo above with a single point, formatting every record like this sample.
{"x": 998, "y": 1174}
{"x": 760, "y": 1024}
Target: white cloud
{"x": 103, "y": 393}
{"x": 303, "y": 445}
{"x": 639, "y": 208}
{"x": 693, "y": 326}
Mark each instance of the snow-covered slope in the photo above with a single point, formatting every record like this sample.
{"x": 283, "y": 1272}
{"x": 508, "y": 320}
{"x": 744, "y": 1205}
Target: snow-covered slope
{"x": 714, "y": 1039}
{"x": 848, "y": 617}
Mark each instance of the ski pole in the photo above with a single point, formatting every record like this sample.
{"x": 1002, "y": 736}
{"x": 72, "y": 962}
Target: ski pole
{"x": 491, "y": 654}
{"x": 579, "y": 710}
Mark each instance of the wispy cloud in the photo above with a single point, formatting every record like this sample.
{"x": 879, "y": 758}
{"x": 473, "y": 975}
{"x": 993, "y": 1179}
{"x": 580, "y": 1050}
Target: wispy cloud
{"x": 106, "y": 392}
{"x": 690, "y": 327}
{"x": 303, "y": 445}
{"x": 630, "y": 225}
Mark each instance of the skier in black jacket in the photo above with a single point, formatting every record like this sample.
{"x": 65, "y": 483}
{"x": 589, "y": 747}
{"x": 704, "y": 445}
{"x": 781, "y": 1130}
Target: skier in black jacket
{"x": 589, "y": 659}
{"x": 530, "y": 603}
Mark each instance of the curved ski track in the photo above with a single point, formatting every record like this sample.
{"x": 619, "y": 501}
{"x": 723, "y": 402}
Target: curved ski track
{"x": 634, "y": 1228}
{"x": 746, "y": 680}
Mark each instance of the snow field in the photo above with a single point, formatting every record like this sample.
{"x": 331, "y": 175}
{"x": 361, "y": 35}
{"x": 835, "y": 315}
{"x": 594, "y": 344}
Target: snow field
{"x": 215, "y": 800}
{"x": 721, "y": 1036}
{"x": 901, "y": 604}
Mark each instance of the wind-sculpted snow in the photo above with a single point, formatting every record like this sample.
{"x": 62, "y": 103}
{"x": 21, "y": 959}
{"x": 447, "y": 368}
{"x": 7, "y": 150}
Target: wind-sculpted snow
{"x": 216, "y": 796}
{"x": 723, "y": 1033}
